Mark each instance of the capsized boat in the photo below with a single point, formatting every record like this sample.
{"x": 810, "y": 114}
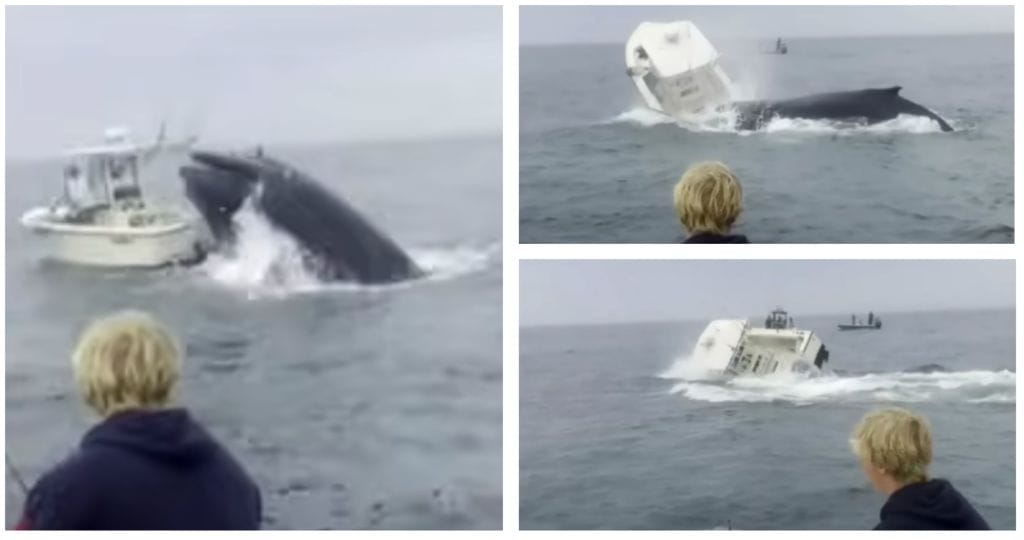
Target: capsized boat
{"x": 675, "y": 69}
{"x": 736, "y": 347}
{"x": 102, "y": 218}
{"x": 873, "y": 323}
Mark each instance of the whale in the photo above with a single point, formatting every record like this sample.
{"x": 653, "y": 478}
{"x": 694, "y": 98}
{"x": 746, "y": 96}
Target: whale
{"x": 338, "y": 242}
{"x": 868, "y": 106}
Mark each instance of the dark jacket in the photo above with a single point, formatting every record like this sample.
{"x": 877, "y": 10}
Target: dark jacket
{"x": 929, "y": 505}
{"x": 712, "y": 238}
{"x": 145, "y": 470}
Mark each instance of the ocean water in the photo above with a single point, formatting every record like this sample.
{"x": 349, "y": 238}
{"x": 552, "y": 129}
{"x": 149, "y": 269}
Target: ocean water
{"x": 618, "y": 430}
{"x": 351, "y": 406}
{"x": 596, "y": 166}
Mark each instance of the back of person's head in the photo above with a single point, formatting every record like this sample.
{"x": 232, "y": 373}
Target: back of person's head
{"x": 708, "y": 198}
{"x": 127, "y": 360}
{"x": 895, "y": 441}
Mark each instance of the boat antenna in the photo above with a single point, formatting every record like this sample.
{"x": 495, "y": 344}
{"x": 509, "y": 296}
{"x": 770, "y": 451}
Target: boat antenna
{"x": 15, "y": 474}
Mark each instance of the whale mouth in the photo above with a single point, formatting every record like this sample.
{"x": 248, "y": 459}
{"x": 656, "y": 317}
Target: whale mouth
{"x": 245, "y": 167}
{"x": 217, "y": 188}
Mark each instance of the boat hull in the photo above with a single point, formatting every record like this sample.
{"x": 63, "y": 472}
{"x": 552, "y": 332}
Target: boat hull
{"x": 734, "y": 347}
{"x": 114, "y": 247}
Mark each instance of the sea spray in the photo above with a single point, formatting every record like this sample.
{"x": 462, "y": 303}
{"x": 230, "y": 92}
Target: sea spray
{"x": 694, "y": 382}
{"x": 267, "y": 262}
{"x": 724, "y": 121}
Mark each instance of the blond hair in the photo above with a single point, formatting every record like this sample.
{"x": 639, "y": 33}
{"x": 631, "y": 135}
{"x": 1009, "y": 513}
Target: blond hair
{"x": 896, "y": 441}
{"x": 708, "y": 198}
{"x": 126, "y": 361}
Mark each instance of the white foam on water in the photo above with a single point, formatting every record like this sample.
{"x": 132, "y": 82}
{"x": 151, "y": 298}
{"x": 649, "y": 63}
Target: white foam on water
{"x": 725, "y": 122}
{"x": 901, "y": 124}
{"x": 266, "y": 262}
{"x": 444, "y": 263}
{"x": 995, "y": 398}
{"x": 694, "y": 382}
{"x": 641, "y": 116}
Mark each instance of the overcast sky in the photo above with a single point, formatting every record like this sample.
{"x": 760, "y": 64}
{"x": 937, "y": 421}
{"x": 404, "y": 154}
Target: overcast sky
{"x": 613, "y": 24}
{"x": 251, "y": 74}
{"x": 582, "y": 292}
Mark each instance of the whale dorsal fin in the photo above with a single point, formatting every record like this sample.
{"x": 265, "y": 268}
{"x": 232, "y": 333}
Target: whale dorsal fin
{"x": 895, "y": 90}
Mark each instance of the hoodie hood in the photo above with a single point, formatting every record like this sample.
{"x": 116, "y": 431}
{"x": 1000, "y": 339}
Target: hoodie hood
{"x": 932, "y": 504}
{"x": 169, "y": 436}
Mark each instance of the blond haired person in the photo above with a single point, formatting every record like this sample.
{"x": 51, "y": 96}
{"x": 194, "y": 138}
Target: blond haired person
{"x": 146, "y": 465}
{"x": 708, "y": 201}
{"x": 895, "y": 448}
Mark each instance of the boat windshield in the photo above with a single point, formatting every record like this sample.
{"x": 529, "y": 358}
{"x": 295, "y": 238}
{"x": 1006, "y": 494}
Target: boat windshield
{"x": 122, "y": 171}
{"x": 779, "y": 320}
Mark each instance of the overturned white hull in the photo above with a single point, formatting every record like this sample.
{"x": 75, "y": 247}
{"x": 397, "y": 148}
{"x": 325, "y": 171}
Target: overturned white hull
{"x": 734, "y": 347}
{"x": 153, "y": 240}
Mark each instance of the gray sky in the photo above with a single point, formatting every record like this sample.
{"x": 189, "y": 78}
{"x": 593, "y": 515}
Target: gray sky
{"x": 250, "y": 74}
{"x": 581, "y": 292}
{"x": 613, "y": 24}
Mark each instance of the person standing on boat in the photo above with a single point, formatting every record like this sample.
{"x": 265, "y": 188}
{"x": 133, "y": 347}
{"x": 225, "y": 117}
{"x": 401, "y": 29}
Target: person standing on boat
{"x": 894, "y": 447}
{"x": 146, "y": 465}
{"x": 76, "y": 186}
{"x": 708, "y": 200}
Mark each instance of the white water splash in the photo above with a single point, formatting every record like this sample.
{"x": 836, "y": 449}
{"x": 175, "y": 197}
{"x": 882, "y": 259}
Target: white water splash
{"x": 695, "y": 382}
{"x": 267, "y": 262}
{"x": 901, "y": 124}
{"x": 264, "y": 260}
{"x": 451, "y": 262}
{"x": 641, "y": 116}
{"x": 725, "y": 122}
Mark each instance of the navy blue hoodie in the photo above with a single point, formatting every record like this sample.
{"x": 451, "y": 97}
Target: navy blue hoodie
{"x": 712, "y": 238}
{"x": 143, "y": 471}
{"x": 930, "y": 505}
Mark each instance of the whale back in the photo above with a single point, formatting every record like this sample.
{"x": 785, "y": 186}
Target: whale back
{"x": 870, "y": 105}
{"x": 345, "y": 245}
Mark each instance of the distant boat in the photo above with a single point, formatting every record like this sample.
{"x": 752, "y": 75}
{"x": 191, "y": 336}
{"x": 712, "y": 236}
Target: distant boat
{"x": 872, "y": 323}
{"x": 780, "y": 48}
{"x": 101, "y": 218}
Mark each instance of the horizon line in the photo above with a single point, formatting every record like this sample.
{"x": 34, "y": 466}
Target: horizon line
{"x": 372, "y": 141}
{"x": 804, "y": 315}
{"x": 792, "y": 37}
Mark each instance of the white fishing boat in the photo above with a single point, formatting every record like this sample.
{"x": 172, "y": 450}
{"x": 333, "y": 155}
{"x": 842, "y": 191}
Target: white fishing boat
{"x": 102, "y": 217}
{"x": 736, "y": 347}
{"x": 676, "y": 69}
